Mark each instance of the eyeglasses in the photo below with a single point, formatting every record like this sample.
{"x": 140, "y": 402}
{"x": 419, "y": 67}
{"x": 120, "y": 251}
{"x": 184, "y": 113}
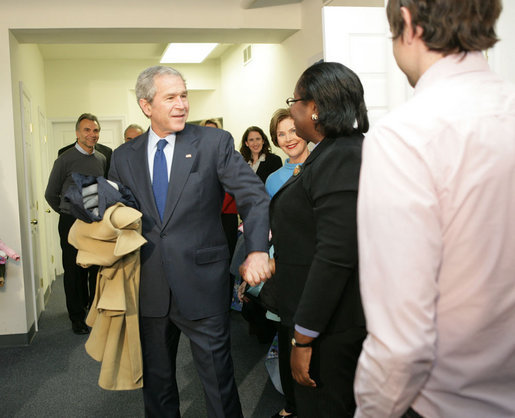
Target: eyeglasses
{"x": 291, "y": 100}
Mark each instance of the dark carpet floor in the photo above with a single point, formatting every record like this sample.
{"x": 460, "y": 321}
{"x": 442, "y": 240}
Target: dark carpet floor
{"x": 55, "y": 377}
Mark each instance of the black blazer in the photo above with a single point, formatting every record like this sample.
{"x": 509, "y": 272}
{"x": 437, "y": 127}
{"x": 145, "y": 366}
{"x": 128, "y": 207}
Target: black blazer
{"x": 187, "y": 252}
{"x": 272, "y": 163}
{"x": 314, "y": 232}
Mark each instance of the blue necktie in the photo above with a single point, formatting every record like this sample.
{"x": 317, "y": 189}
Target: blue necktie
{"x": 160, "y": 177}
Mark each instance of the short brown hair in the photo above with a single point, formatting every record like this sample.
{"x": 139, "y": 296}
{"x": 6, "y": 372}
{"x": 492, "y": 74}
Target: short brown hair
{"x": 449, "y": 26}
{"x": 278, "y": 116}
{"x": 88, "y": 116}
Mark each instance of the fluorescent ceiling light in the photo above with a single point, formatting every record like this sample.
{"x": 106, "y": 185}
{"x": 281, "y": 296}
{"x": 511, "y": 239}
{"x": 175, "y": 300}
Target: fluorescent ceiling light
{"x": 186, "y": 53}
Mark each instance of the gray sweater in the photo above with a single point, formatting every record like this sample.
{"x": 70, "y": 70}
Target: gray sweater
{"x": 71, "y": 161}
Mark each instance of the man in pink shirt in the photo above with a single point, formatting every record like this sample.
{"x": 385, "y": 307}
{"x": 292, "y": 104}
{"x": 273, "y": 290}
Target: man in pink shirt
{"x": 436, "y": 220}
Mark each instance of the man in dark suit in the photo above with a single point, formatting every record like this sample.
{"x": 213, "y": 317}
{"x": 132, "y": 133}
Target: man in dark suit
{"x": 184, "y": 265}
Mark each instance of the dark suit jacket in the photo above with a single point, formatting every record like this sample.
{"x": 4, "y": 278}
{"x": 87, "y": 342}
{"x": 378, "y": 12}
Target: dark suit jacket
{"x": 188, "y": 251}
{"x": 314, "y": 232}
{"x": 103, "y": 149}
{"x": 272, "y": 163}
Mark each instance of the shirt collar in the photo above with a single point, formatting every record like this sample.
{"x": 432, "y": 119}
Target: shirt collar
{"x": 153, "y": 138}
{"x": 261, "y": 158}
{"x": 82, "y": 151}
{"x": 452, "y": 65}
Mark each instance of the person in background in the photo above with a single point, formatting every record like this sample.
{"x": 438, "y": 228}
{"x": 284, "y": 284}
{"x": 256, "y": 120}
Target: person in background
{"x": 79, "y": 283}
{"x": 229, "y": 211}
{"x": 437, "y": 225}
{"x": 182, "y": 172}
{"x": 314, "y": 233}
{"x": 212, "y": 123}
{"x": 132, "y": 131}
{"x": 256, "y": 150}
{"x": 103, "y": 149}
{"x": 284, "y": 136}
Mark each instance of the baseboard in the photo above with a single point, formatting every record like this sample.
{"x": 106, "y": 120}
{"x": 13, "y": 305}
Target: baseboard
{"x": 18, "y": 340}
{"x": 47, "y": 294}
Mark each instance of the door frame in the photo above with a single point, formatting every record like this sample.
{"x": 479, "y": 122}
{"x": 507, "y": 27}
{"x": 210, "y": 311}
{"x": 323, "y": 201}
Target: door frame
{"x": 25, "y": 94}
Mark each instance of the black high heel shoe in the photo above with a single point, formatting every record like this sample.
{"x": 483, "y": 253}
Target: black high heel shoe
{"x": 284, "y": 413}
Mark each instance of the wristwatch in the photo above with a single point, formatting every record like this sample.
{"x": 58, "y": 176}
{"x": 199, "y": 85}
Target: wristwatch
{"x": 294, "y": 343}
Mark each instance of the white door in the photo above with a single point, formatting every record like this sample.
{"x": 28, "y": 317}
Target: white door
{"x": 32, "y": 204}
{"x": 49, "y": 237}
{"x": 359, "y": 38}
{"x": 111, "y": 132}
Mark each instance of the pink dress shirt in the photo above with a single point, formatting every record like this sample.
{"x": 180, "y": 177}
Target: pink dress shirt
{"x": 436, "y": 221}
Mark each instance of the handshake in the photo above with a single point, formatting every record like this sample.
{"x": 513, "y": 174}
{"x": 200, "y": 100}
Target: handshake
{"x": 257, "y": 268}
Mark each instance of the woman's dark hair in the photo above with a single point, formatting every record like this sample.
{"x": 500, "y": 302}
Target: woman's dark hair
{"x": 449, "y": 25}
{"x": 245, "y": 151}
{"x": 338, "y": 95}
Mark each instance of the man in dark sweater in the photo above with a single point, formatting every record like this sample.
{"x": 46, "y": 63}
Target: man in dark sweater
{"x": 103, "y": 149}
{"x": 79, "y": 283}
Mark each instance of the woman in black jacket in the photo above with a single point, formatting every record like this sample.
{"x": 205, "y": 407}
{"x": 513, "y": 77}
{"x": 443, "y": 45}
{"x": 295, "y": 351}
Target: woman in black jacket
{"x": 256, "y": 150}
{"x": 314, "y": 232}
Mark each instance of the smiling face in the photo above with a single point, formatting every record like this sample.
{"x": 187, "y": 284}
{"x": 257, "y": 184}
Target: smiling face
{"x": 255, "y": 143}
{"x": 87, "y": 134}
{"x": 169, "y": 108}
{"x": 293, "y": 146}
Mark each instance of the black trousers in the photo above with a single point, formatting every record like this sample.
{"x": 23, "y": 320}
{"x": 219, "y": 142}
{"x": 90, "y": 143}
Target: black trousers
{"x": 79, "y": 283}
{"x": 230, "y": 225}
{"x": 211, "y": 349}
{"x": 333, "y": 366}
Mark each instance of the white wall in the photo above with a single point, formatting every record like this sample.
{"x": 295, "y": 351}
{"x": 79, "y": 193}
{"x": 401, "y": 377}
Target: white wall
{"x": 106, "y": 88}
{"x": 12, "y": 295}
{"x": 502, "y": 57}
{"x": 16, "y": 297}
{"x": 252, "y": 92}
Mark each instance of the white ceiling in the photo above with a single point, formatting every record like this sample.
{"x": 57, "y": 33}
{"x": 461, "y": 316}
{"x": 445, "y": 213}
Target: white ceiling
{"x": 253, "y": 4}
{"x": 147, "y": 51}
{"x": 137, "y": 43}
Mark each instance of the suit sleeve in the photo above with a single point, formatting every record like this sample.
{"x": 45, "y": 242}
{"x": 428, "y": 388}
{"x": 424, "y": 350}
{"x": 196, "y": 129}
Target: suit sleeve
{"x": 252, "y": 200}
{"x": 333, "y": 190}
